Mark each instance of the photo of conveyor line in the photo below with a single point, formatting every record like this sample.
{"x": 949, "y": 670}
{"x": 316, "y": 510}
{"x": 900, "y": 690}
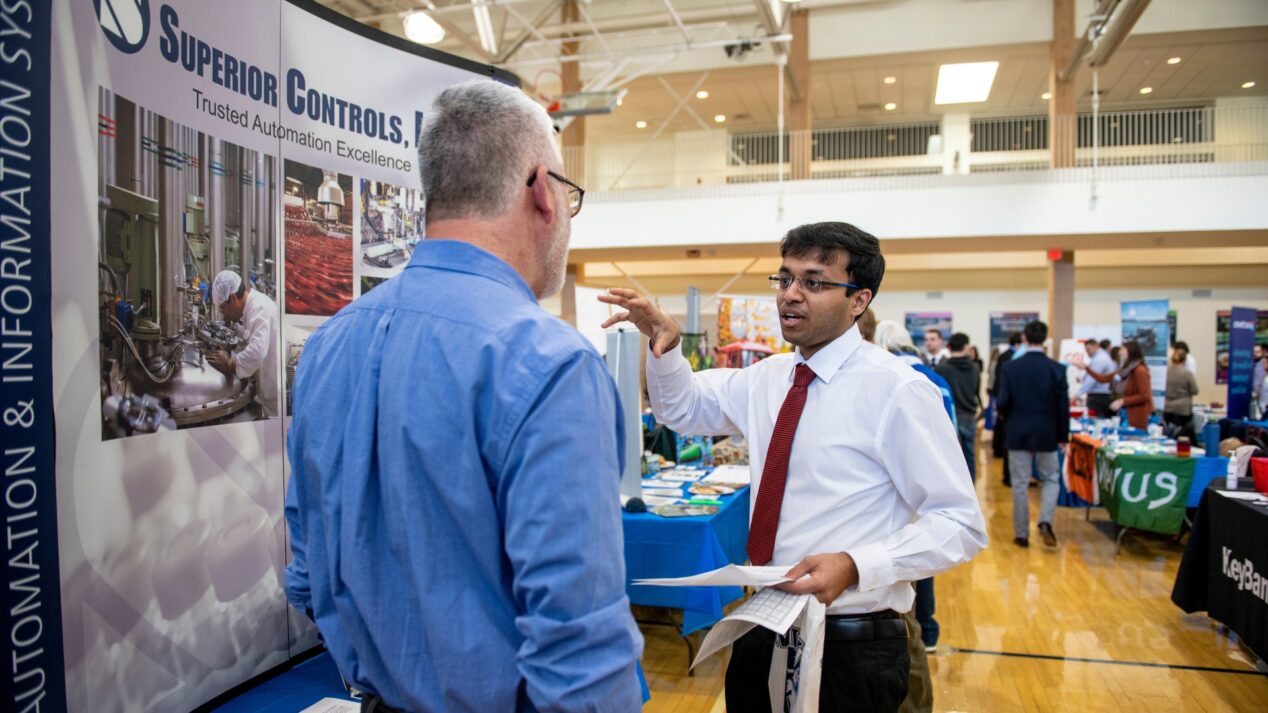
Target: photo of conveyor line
{"x": 392, "y": 223}
{"x": 176, "y": 207}
{"x": 318, "y": 229}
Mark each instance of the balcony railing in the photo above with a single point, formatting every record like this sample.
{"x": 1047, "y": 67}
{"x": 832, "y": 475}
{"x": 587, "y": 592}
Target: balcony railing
{"x": 1126, "y": 144}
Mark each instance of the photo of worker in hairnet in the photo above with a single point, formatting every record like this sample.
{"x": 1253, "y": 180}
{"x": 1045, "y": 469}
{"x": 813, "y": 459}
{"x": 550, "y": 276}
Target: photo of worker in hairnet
{"x": 182, "y": 214}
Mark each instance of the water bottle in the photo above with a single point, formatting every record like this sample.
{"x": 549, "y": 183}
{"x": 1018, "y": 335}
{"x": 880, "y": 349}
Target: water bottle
{"x": 1230, "y": 479}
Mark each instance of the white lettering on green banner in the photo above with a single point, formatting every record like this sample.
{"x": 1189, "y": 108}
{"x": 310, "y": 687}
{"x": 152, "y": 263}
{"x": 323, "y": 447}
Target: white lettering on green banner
{"x": 1146, "y": 492}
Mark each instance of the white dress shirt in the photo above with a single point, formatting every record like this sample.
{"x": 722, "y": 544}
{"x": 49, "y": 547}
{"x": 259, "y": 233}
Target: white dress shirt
{"x": 258, "y": 355}
{"x": 875, "y": 469}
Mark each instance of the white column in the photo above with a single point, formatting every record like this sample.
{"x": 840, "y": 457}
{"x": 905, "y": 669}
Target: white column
{"x": 957, "y": 140}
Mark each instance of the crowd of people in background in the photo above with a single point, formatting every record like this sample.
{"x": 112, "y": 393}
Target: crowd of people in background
{"x": 1028, "y": 406}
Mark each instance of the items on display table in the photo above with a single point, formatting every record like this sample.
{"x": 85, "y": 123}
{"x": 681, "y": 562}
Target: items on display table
{"x": 1140, "y": 479}
{"x": 698, "y": 522}
{"x": 1224, "y": 571}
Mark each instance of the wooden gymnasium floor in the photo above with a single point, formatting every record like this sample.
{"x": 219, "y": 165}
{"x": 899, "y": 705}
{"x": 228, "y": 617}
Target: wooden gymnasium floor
{"x": 1015, "y": 624}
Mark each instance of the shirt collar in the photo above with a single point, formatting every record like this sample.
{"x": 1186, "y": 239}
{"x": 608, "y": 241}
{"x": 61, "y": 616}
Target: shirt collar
{"x": 828, "y": 361}
{"x": 458, "y": 256}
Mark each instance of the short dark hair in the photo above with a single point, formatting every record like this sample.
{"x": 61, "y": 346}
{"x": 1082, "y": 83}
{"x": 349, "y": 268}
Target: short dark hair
{"x": 935, "y": 330}
{"x": 1036, "y": 332}
{"x": 1106, "y": 344}
{"x": 1014, "y": 339}
{"x": 958, "y": 342}
{"x": 823, "y": 242}
{"x": 1182, "y": 345}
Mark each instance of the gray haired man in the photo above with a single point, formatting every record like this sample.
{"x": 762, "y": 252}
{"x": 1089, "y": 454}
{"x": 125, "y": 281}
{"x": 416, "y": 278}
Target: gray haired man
{"x": 470, "y": 558}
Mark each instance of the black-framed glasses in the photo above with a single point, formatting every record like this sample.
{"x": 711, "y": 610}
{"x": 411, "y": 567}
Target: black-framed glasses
{"x": 807, "y": 284}
{"x": 575, "y": 193}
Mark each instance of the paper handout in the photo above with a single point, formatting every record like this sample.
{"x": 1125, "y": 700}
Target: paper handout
{"x": 775, "y": 610}
{"x": 737, "y": 475}
{"x": 732, "y": 575}
{"x": 334, "y": 705}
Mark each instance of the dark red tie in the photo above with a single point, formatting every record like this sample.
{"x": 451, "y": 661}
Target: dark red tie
{"x": 770, "y": 494}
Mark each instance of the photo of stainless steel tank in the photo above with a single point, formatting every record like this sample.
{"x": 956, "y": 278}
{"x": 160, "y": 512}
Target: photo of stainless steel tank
{"x": 177, "y": 207}
{"x": 318, "y": 230}
{"x": 392, "y": 223}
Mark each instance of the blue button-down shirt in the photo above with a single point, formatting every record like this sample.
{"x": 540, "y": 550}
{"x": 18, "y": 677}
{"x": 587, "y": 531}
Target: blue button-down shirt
{"x": 454, "y": 505}
{"x": 1102, "y": 363}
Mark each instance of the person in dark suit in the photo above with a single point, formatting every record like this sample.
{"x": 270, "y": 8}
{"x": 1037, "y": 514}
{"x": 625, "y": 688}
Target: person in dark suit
{"x": 998, "y": 433}
{"x": 1034, "y": 400}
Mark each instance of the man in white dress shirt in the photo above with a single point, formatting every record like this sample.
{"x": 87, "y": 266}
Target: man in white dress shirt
{"x": 871, "y": 494}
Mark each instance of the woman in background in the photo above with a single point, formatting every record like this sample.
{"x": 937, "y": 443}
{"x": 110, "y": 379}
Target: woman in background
{"x": 1182, "y": 386}
{"x": 1134, "y": 387}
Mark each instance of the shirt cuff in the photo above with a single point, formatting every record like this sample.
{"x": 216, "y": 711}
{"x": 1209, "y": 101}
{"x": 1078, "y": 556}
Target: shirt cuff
{"x": 665, "y": 363}
{"x": 874, "y": 565}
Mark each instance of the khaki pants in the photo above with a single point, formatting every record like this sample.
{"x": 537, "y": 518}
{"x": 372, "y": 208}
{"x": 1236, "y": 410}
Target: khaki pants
{"x": 919, "y": 686}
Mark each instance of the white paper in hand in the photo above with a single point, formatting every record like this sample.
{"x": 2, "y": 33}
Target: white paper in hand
{"x": 732, "y": 575}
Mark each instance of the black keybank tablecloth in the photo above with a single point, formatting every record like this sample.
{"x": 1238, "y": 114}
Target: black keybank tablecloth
{"x": 1224, "y": 571}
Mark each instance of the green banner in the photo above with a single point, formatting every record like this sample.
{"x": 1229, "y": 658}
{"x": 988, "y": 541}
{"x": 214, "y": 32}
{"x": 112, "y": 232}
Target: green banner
{"x": 1145, "y": 492}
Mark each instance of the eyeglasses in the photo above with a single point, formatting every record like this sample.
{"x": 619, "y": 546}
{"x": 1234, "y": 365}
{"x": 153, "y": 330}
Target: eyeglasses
{"x": 807, "y": 284}
{"x": 575, "y": 193}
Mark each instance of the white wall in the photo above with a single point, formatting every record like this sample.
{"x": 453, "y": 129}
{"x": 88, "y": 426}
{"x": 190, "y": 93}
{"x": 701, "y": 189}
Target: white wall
{"x": 933, "y": 207}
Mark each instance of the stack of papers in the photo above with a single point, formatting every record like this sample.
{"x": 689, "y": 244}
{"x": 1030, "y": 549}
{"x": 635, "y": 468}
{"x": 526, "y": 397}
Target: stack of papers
{"x": 735, "y": 476}
{"x": 682, "y": 476}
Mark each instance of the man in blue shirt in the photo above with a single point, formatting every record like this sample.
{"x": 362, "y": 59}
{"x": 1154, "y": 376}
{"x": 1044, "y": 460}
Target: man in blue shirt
{"x": 1098, "y": 391}
{"x": 455, "y": 453}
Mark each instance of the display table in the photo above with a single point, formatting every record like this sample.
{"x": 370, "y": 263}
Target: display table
{"x": 1144, "y": 492}
{"x": 1224, "y": 571}
{"x": 658, "y": 546}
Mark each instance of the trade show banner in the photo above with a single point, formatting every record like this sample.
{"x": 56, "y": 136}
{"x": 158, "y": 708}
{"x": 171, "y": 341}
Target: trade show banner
{"x": 918, "y": 322}
{"x": 1146, "y": 323}
{"x": 31, "y": 631}
{"x": 1073, "y": 355}
{"x": 1145, "y": 492}
{"x": 1005, "y": 324}
{"x": 1241, "y": 361}
{"x": 749, "y": 319}
{"x": 1223, "y": 319}
{"x": 188, "y": 139}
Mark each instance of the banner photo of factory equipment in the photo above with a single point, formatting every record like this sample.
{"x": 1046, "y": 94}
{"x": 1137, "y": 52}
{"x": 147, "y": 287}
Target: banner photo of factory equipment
{"x": 206, "y": 160}
{"x": 318, "y": 205}
{"x": 391, "y": 222}
{"x": 179, "y": 207}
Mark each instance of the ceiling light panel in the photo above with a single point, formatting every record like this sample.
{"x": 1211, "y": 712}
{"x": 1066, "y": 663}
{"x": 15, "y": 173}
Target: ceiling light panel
{"x": 965, "y": 83}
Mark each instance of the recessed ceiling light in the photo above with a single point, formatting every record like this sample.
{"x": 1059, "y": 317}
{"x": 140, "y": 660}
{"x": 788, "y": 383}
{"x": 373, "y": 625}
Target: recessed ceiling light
{"x": 891, "y": 106}
{"x": 1146, "y": 90}
{"x": 1174, "y": 60}
{"x": 720, "y": 118}
{"x": 702, "y": 94}
{"x": 1046, "y": 96}
{"x": 640, "y": 124}
{"x": 421, "y": 28}
{"x": 890, "y": 80}
{"x": 965, "y": 83}
{"x": 1247, "y": 85}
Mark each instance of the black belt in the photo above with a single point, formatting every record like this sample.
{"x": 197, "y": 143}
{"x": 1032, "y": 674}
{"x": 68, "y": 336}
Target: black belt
{"x": 372, "y": 703}
{"x": 881, "y": 625}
